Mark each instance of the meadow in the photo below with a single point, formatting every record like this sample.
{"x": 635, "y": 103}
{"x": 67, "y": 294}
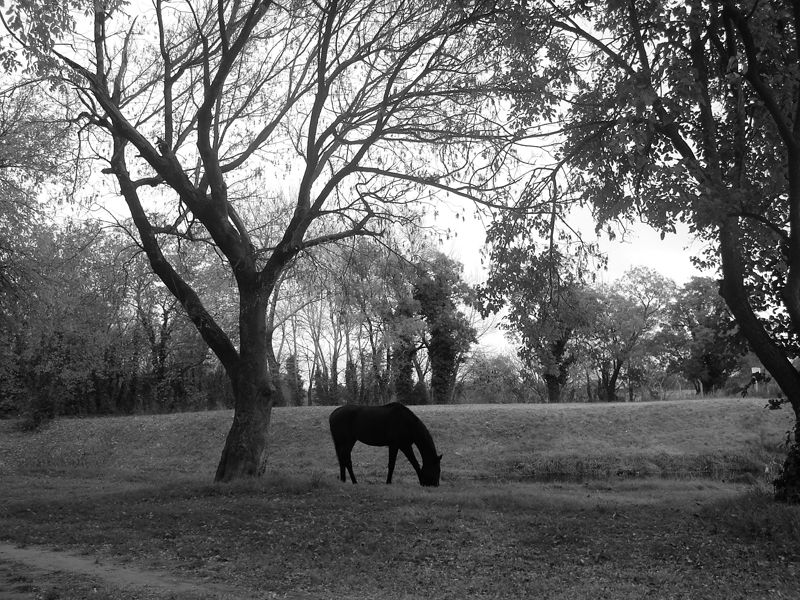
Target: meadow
{"x": 648, "y": 500}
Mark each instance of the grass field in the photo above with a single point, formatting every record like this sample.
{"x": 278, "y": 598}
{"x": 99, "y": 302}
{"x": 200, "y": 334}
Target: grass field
{"x": 661, "y": 500}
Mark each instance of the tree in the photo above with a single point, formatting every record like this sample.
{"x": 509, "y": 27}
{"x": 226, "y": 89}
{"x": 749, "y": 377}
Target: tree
{"x": 681, "y": 111}
{"x": 547, "y": 307}
{"x": 195, "y": 110}
{"x": 439, "y": 290}
{"x": 495, "y": 379}
{"x": 706, "y": 340}
{"x": 625, "y": 317}
{"x": 32, "y": 150}
{"x": 295, "y": 381}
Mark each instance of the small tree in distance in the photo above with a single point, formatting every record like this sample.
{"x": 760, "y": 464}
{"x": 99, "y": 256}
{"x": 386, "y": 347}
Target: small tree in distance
{"x": 707, "y": 344}
{"x": 548, "y": 308}
{"x": 439, "y": 289}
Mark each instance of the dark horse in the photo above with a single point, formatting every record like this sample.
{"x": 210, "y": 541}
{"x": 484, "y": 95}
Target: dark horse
{"x": 391, "y": 425}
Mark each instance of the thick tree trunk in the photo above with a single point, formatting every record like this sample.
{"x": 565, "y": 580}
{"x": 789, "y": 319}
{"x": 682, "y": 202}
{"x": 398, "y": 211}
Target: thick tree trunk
{"x": 732, "y": 289}
{"x": 245, "y": 449}
{"x": 608, "y": 382}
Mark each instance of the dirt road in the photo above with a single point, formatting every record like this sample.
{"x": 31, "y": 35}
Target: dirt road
{"x": 39, "y": 574}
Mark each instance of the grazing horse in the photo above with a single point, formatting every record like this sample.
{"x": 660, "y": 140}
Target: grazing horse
{"x": 391, "y": 425}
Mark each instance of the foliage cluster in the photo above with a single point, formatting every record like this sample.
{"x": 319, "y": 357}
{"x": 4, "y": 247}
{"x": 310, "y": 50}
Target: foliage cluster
{"x": 637, "y": 333}
{"x": 90, "y": 333}
{"x": 393, "y": 327}
{"x": 674, "y": 112}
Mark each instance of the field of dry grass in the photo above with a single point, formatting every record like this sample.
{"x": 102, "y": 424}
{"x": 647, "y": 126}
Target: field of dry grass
{"x": 663, "y": 500}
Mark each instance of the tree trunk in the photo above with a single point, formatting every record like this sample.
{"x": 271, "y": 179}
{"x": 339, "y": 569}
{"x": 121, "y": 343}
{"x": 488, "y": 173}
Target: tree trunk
{"x": 786, "y": 485}
{"x": 732, "y": 289}
{"x": 245, "y": 449}
{"x": 553, "y": 388}
{"x": 441, "y": 351}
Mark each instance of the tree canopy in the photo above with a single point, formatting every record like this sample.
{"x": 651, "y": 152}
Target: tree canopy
{"x": 678, "y": 112}
{"x": 356, "y": 110}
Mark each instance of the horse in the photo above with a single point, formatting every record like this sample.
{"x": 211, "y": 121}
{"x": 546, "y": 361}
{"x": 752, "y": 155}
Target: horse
{"x": 392, "y": 425}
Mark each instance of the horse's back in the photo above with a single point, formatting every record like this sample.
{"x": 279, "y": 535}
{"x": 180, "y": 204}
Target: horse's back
{"x": 387, "y": 425}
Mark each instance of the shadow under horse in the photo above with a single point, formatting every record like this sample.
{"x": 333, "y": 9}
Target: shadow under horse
{"x": 392, "y": 425}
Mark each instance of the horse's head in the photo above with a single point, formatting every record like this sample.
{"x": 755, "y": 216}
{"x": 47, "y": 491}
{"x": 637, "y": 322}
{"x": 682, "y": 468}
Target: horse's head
{"x": 430, "y": 471}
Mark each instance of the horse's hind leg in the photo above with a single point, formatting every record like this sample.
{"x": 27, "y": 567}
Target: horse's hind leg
{"x": 392, "y": 459}
{"x": 343, "y": 454}
{"x": 345, "y": 462}
{"x": 341, "y": 461}
{"x": 350, "y": 469}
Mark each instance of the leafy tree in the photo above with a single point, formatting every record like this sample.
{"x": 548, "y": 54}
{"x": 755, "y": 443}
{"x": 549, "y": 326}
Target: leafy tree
{"x": 681, "y": 111}
{"x": 68, "y": 339}
{"x": 707, "y": 342}
{"x": 546, "y": 308}
{"x": 625, "y": 317}
{"x": 439, "y": 289}
{"x": 494, "y": 379}
{"x": 94, "y": 334}
{"x": 405, "y": 333}
{"x": 365, "y": 105}
{"x": 32, "y": 150}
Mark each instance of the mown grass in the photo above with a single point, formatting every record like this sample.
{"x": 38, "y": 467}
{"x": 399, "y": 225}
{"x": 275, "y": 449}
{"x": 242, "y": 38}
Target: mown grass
{"x": 720, "y": 438}
{"x": 622, "y": 501}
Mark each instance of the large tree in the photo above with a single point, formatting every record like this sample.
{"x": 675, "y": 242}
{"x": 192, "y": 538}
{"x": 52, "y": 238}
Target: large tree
{"x": 357, "y": 107}
{"x": 682, "y": 111}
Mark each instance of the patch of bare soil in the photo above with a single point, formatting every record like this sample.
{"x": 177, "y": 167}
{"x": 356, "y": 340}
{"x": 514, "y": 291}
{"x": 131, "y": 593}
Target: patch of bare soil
{"x": 25, "y": 574}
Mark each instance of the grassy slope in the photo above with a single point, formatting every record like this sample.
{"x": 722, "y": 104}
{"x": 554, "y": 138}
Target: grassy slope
{"x": 541, "y": 442}
{"x": 137, "y": 489}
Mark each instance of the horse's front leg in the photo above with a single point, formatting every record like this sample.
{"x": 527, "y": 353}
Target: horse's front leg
{"x": 409, "y": 452}
{"x": 392, "y": 459}
{"x": 350, "y": 469}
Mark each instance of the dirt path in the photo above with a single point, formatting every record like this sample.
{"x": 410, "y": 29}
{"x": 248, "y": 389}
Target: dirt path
{"x": 24, "y": 572}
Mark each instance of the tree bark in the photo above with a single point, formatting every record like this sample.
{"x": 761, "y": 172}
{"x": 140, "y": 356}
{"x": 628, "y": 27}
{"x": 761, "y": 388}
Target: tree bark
{"x": 245, "y": 451}
{"x": 732, "y": 289}
{"x": 254, "y": 393}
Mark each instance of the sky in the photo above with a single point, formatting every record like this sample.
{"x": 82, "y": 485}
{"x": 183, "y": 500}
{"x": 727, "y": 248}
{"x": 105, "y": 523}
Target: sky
{"x": 641, "y": 246}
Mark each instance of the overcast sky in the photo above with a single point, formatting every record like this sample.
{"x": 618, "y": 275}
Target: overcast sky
{"x": 641, "y": 246}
